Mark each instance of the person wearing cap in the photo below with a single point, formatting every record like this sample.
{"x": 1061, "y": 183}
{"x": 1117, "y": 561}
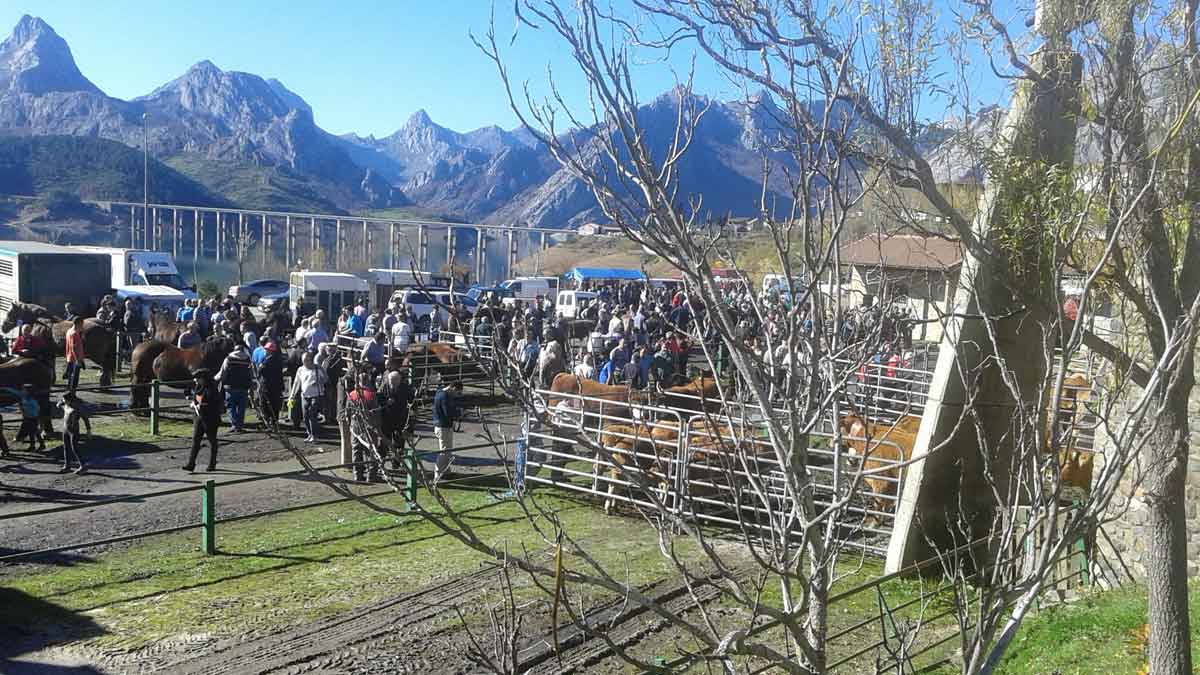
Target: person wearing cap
{"x": 206, "y": 404}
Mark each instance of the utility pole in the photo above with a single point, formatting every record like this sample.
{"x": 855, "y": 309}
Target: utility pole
{"x": 146, "y": 167}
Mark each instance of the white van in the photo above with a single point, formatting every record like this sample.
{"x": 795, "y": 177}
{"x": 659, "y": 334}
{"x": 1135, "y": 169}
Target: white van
{"x": 570, "y": 303}
{"x": 528, "y": 288}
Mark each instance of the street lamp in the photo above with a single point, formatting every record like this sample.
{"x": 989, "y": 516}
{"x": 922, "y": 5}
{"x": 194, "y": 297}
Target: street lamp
{"x": 145, "y": 171}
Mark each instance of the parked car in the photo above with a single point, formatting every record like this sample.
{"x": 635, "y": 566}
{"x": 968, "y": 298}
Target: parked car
{"x": 251, "y": 292}
{"x": 268, "y": 301}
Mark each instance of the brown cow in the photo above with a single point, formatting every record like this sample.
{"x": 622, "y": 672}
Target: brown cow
{"x": 630, "y": 446}
{"x": 597, "y": 395}
{"x": 890, "y": 444}
{"x": 1075, "y": 465}
{"x": 699, "y": 395}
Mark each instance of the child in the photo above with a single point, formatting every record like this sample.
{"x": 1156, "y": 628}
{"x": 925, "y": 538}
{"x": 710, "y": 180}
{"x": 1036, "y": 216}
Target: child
{"x": 29, "y": 420}
{"x": 74, "y": 412}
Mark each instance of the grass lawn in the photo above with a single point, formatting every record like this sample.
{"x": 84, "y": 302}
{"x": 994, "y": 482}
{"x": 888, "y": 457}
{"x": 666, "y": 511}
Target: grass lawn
{"x": 279, "y": 570}
{"x": 1098, "y": 635}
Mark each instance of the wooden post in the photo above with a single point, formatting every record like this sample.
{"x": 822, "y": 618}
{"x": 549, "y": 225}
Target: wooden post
{"x": 208, "y": 517}
{"x": 154, "y": 401}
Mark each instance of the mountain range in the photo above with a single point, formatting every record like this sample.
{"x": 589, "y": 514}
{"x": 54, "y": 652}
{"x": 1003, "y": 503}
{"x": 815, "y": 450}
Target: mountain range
{"x": 253, "y": 142}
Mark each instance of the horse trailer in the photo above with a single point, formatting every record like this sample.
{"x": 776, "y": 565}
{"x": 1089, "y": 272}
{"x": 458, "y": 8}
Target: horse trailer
{"x": 51, "y": 276}
{"x": 330, "y": 291}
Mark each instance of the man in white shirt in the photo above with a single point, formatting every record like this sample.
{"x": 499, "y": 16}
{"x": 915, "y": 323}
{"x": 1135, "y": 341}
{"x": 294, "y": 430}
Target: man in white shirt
{"x": 402, "y": 332}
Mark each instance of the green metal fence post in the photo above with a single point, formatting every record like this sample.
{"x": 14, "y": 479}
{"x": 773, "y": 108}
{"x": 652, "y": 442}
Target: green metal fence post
{"x": 154, "y": 393}
{"x": 208, "y": 517}
{"x": 410, "y": 478}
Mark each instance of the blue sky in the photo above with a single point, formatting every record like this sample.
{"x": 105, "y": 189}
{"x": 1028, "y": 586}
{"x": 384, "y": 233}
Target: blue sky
{"x": 363, "y": 66}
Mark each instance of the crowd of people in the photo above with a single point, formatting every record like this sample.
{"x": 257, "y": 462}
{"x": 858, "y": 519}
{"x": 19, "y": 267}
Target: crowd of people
{"x": 633, "y": 333}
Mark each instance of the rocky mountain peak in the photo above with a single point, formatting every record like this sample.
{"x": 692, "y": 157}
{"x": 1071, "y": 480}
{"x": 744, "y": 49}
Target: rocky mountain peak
{"x": 36, "y": 60}
{"x": 419, "y": 119}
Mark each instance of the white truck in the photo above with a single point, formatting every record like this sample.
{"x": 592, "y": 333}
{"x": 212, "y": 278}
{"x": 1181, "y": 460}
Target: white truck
{"x": 138, "y": 267}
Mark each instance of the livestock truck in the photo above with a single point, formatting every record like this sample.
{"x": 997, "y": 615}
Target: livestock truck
{"x": 51, "y": 276}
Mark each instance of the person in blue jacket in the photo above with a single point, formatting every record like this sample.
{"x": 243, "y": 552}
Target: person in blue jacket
{"x": 607, "y": 372}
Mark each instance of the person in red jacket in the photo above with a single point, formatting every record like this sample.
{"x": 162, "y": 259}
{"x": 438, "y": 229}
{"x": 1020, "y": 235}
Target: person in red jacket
{"x": 75, "y": 353}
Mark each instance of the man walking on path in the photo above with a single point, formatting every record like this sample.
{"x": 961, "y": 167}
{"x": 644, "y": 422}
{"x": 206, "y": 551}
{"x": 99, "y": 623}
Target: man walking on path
{"x": 309, "y": 383}
{"x": 445, "y": 416}
{"x": 235, "y": 378}
{"x": 75, "y": 353}
{"x": 206, "y": 403}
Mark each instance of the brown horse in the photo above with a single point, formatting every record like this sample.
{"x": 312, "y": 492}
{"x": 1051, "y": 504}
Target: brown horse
{"x": 20, "y": 371}
{"x": 99, "y": 343}
{"x": 155, "y": 359}
{"x": 164, "y": 327}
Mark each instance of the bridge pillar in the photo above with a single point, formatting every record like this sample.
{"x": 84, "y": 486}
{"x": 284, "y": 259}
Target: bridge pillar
{"x": 315, "y": 240}
{"x": 480, "y": 255}
{"x": 952, "y": 482}
{"x": 265, "y": 233}
{"x": 422, "y": 248}
{"x": 366, "y": 244}
{"x": 289, "y": 242}
{"x": 392, "y": 255}
{"x": 337, "y": 244}
{"x": 512, "y": 255}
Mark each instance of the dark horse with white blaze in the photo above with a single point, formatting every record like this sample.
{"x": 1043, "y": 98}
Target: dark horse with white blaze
{"x": 155, "y": 359}
{"x": 99, "y": 342}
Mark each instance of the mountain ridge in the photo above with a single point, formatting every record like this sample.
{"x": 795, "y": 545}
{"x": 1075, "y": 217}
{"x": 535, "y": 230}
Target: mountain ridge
{"x": 208, "y": 115}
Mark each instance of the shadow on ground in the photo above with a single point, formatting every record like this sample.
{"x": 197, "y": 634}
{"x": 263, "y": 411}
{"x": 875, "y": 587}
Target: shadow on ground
{"x": 21, "y": 633}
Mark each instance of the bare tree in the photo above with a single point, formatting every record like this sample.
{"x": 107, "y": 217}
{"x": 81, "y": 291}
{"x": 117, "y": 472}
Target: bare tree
{"x": 243, "y": 252}
{"x": 785, "y": 406}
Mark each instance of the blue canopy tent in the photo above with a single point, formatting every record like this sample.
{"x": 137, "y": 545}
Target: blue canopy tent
{"x": 605, "y": 274}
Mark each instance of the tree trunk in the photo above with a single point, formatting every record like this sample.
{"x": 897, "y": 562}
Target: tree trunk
{"x": 1166, "y": 568}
